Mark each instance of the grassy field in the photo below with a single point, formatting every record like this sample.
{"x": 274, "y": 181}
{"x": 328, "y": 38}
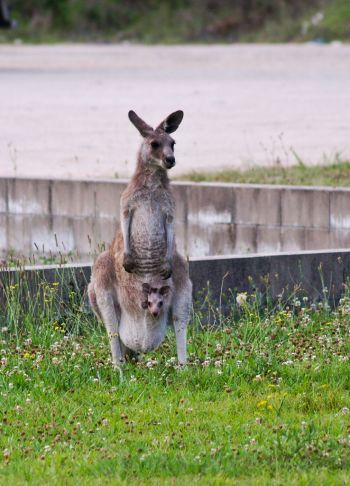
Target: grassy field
{"x": 336, "y": 174}
{"x": 264, "y": 399}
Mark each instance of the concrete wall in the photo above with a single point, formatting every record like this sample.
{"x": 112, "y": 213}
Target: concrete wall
{"x": 212, "y": 219}
{"x": 279, "y": 274}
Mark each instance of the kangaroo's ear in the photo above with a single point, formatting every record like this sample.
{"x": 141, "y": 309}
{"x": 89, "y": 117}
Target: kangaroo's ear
{"x": 164, "y": 290}
{"x": 172, "y": 122}
{"x": 146, "y": 288}
{"x": 142, "y": 126}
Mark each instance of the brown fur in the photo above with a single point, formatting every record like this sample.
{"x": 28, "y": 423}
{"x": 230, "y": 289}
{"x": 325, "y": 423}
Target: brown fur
{"x": 146, "y": 177}
{"x": 109, "y": 274}
{"x": 152, "y": 249}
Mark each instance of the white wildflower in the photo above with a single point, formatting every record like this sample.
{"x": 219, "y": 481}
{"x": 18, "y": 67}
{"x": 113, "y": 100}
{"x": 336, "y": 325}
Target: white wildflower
{"x": 241, "y": 298}
{"x": 151, "y": 363}
{"x": 288, "y": 362}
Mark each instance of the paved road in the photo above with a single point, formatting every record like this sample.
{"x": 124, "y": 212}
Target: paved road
{"x": 64, "y": 108}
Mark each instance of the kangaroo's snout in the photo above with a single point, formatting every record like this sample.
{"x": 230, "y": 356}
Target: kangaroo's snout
{"x": 169, "y": 161}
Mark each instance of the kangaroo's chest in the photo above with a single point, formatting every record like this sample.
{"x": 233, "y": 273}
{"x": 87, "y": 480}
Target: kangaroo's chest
{"x": 142, "y": 334}
{"x": 148, "y": 239}
{"x": 147, "y": 224}
{"x": 151, "y": 207}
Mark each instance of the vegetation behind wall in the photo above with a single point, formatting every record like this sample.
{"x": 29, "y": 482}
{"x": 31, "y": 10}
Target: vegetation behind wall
{"x": 174, "y": 21}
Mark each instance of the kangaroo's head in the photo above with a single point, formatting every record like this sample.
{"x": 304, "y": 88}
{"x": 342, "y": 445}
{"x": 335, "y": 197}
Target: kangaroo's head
{"x": 155, "y": 298}
{"x": 158, "y": 146}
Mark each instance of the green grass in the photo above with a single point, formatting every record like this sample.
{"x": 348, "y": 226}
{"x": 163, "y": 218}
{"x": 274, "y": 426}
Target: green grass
{"x": 336, "y": 174}
{"x": 264, "y": 399}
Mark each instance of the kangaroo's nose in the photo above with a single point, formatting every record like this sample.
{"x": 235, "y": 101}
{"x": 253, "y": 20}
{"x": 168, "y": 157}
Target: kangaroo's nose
{"x": 170, "y": 161}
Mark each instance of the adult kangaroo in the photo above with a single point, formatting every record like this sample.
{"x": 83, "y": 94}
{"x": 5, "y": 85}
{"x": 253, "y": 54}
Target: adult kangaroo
{"x": 141, "y": 280}
{"x": 147, "y": 204}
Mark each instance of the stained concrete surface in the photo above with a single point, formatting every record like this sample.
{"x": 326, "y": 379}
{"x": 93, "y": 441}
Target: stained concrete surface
{"x": 80, "y": 217}
{"x": 64, "y": 107}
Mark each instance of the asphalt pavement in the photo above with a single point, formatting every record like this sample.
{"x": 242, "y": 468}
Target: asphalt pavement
{"x": 64, "y": 107}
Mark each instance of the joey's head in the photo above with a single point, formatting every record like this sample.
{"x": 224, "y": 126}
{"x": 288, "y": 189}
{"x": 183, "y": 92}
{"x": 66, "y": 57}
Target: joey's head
{"x": 157, "y": 147}
{"x": 155, "y": 298}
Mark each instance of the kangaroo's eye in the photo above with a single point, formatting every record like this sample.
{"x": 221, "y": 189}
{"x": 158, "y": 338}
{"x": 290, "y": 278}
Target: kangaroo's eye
{"x": 155, "y": 144}
{"x": 160, "y": 304}
{"x": 172, "y": 146}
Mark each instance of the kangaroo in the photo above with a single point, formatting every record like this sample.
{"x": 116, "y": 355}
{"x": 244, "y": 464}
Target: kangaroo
{"x": 142, "y": 317}
{"x": 147, "y": 204}
{"x": 135, "y": 312}
{"x": 127, "y": 289}
{"x": 154, "y": 298}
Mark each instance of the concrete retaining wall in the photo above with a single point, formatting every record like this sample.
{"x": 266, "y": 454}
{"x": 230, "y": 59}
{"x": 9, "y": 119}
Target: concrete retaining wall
{"x": 212, "y": 219}
{"x": 286, "y": 275}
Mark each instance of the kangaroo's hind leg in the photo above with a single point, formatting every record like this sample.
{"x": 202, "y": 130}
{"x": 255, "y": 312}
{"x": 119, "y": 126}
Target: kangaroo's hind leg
{"x": 104, "y": 302}
{"x": 110, "y": 318}
{"x": 93, "y": 301}
{"x": 181, "y": 306}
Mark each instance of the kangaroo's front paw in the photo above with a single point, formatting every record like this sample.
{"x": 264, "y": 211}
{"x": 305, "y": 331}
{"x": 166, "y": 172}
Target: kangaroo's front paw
{"x": 166, "y": 271}
{"x": 128, "y": 263}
